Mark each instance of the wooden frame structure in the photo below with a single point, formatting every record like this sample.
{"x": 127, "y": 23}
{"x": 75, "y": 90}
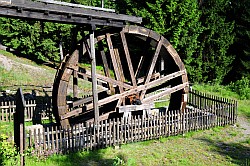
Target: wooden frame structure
{"x": 41, "y": 11}
{"x": 120, "y": 86}
{"x": 67, "y": 13}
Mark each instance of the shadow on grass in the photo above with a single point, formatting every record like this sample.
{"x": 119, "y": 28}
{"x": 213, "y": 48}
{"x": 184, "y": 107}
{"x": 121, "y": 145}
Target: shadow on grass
{"x": 237, "y": 153}
{"x": 83, "y": 158}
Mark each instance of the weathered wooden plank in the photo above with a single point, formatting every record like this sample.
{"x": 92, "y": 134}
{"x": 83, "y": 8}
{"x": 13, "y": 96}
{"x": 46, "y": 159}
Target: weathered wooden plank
{"x": 75, "y": 84}
{"x": 130, "y": 108}
{"x": 107, "y": 79}
{"x": 114, "y": 60}
{"x": 52, "y": 140}
{"x": 104, "y": 133}
{"x": 119, "y": 64}
{"x": 106, "y": 68}
{"x": 164, "y": 93}
{"x": 130, "y": 66}
{"x": 57, "y": 139}
{"x": 93, "y": 75}
{"x": 49, "y": 10}
{"x": 125, "y": 131}
{"x": 101, "y": 138}
{"x": 94, "y": 134}
{"x": 19, "y": 127}
{"x": 109, "y": 134}
{"x": 76, "y": 5}
{"x": 82, "y": 101}
{"x": 118, "y": 131}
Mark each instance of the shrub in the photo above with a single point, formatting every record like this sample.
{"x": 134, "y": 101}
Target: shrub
{"x": 8, "y": 152}
{"x": 242, "y": 87}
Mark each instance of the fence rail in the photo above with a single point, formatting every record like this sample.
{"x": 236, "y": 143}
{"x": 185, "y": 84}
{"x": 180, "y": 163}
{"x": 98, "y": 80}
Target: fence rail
{"x": 118, "y": 131}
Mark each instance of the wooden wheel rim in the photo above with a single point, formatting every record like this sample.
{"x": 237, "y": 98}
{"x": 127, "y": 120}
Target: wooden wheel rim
{"x": 178, "y": 91}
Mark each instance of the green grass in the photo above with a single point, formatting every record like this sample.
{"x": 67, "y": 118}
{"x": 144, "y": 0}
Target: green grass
{"x": 218, "y": 146}
{"x": 24, "y": 73}
{"x": 6, "y": 127}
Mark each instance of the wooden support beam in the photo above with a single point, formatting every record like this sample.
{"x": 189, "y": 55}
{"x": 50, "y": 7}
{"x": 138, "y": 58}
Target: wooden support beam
{"x": 119, "y": 64}
{"x": 19, "y": 127}
{"x": 131, "y": 108}
{"x": 93, "y": 75}
{"x": 75, "y": 84}
{"x": 154, "y": 76}
{"x": 75, "y": 77}
{"x": 82, "y": 101}
{"x": 64, "y": 14}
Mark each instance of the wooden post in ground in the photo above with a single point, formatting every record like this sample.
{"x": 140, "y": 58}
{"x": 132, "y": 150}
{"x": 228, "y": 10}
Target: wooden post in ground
{"x": 93, "y": 74}
{"x": 19, "y": 124}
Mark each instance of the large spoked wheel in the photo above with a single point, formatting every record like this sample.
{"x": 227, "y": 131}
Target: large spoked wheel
{"x": 135, "y": 63}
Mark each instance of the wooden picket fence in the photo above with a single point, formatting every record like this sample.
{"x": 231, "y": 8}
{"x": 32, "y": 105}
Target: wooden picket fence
{"x": 203, "y": 111}
{"x": 55, "y": 139}
{"x": 34, "y": 110}
{"x": 42, "y": 110}
{"x": 201, "y": 100}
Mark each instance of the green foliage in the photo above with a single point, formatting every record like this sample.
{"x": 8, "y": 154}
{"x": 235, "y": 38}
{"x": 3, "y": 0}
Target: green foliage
{"x": 8, "y": 152}
{"x": 201, "y": 33}
{"x": 215, "y": 41}
{"x": 34, "y": 39}
{"x": 118, "y": 161}
{"x": 241, "y": 49}
{"x": 242, "y": 87}
{"x": 179, "y": 22}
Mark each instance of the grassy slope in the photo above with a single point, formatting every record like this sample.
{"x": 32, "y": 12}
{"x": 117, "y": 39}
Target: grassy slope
{"x": 24, "y": 73}
{"x": 218, "y": 146}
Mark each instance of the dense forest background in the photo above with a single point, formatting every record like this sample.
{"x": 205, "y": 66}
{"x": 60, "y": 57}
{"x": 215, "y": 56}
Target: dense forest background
{"x": 211, "y": 36}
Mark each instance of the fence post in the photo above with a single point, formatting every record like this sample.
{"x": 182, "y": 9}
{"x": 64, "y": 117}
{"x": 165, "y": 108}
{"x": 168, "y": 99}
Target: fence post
{"x": 19, "y": 124}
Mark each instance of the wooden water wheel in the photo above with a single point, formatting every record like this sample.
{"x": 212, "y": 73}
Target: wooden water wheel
{"x": 135, "y": 61}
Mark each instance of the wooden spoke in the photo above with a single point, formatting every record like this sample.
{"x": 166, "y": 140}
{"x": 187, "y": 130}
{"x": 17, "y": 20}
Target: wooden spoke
{"x": 151, "y": 68}
{"x": 142, "y": 87}
{"x": 107, "y": 79}
{"x": 130, "y": 66}
{"x": 115, "y": 65}
{"x": 164, "y": 93}
{"x": 106, "y": 68}
{"x": 143, "y": 56}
